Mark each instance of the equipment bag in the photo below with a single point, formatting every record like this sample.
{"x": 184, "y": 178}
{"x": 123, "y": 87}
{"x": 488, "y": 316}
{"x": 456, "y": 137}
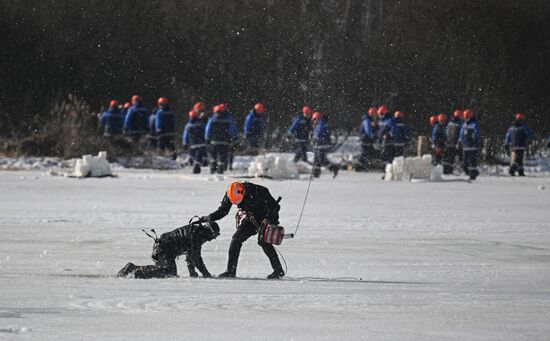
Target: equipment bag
{"x": 271, "y": 234}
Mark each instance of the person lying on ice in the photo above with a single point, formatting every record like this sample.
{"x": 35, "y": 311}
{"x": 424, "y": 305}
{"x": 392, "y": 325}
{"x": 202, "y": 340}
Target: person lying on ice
{"x": 186, "y": 240}
{"x": 256, "y": 208}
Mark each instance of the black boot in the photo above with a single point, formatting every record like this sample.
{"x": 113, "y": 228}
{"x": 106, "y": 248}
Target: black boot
{"x": 316, "y": 171}
{"x": 126, "y": 270}
{"x": 270, "y": 252}
{"x": 233, "y": 259}
{"x": 334, "y": 169}
{"x": 196, "y": 168}
{"x": 276, "y": 274}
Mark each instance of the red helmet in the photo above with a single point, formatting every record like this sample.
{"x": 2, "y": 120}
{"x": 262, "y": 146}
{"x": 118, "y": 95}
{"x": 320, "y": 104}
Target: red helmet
{"x": 457, "y": 113}
{"x": 235, "y": 193}
{"x": 199, "y": 106}
{"x": 398, "y": 114}
{"x": 216, "y": 108}
{"x": 433, "y": 120}
{"x": 259, "y": 108}
{"x": 162, "y": 101}
{"x": 127, "y": 105}
{"x": 441, "y": 118}
{"x": 372, "y": 111}
{"x": 193, "y": 114}
{"x": 222, "y": 107}
{"x": 520, "y": 117}
{"x": 306, "y": 110}
{"x": 317, "y": 115}
{"x": 113, "y": 103}
{"x": 135, "y": 99}
{"x": 468, "y": 114}
{"x": 382, "y": 110}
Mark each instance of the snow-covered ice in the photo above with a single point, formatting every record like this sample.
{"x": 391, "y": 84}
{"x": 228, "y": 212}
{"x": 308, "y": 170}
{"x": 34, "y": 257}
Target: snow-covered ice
{"x": 372, "y": 260}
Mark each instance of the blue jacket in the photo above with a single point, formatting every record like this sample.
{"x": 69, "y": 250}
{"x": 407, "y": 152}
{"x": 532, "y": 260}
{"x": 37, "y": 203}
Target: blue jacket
{"x": 385, "y": 126}
{"x": 367, "y": 131}
{"x": 137, "y": 120}
{"x": 193, "y": 133}
{"x": 453, "y": 132}
{"x": 112, "y": 121}
{"x": 321, "y": 134}
{"x": 221, "y": 128}
{"x": 165, "y": 121}
{"x": 517, "y": 136}
{"x": 300, "y": 128}
{"x": 254, "y": 125}
{"x": 439, "y": 135}
{"x": 470, "y": 135}
{"x": 400, "y": 133}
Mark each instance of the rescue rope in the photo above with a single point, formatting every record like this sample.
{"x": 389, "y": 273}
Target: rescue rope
{"x": 305, "y": 200}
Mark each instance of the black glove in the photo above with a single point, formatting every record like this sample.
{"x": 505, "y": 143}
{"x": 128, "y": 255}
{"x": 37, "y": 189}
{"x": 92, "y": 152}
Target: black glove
{"x": 204, "y": 219}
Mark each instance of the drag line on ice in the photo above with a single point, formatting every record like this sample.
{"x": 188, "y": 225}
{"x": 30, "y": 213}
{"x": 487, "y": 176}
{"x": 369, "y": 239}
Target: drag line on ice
{"x": 284, "y": 279}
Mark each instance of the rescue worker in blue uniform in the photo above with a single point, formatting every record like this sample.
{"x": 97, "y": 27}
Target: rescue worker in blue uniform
{"x": 200, "y": 108}
{"x": 254, "y": 128}
{"x": 152, "y": 138}
{"x": 439, "y": 139}
{"x": 516, "y": 141}
{"x": 385, "y": 124}
{"x": 220, "y": 131}
{"x": 452, "y": 134}
{"x": 112, "y": 120}
{"x": 136, "y": 122}
{"x": 193, "y": 139}
{"x": 400, "y": 134}
{"x": 124, "y": 110}
{"x": 165, "y": 127}
{"x": 299, "y": 130}
{"x": 470, "y": 138}
{"x": 369, "y": 130}
{"x": 322, "y": 144}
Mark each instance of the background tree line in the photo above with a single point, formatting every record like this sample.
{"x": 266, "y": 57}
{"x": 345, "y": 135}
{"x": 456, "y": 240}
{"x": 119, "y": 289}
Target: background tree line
{"x": 422, "y": 57}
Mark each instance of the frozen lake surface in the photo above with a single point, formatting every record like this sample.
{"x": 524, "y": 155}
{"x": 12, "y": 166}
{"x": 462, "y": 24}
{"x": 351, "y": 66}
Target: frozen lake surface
{"x": 371, "y": 261}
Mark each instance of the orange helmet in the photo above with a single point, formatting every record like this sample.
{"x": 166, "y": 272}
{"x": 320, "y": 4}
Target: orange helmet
{"x": 259, "y": 108}
{"x": 398, "y": 114}
{"x": 162, "y": 101}
{"x": 306, "y": 110}
{"x": 127, "y": 105}
{"x": 135, "y": 99}
{"x": 441, "y": 118}
{"x": 468, "y": 114}
{"x": 372, "y": 111}
{"x": 235, "y": 193}
{"x": 457, "y": 113}
{"x": 433, "y": 120}
{"x": 193, "y": 114}
{"x": 316, "y": 115}
{"x": 199, "y": 106}
{"x": 382, "y": 110}
{"x": 520, "y": 117}
{"x": 113, "y": 103}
